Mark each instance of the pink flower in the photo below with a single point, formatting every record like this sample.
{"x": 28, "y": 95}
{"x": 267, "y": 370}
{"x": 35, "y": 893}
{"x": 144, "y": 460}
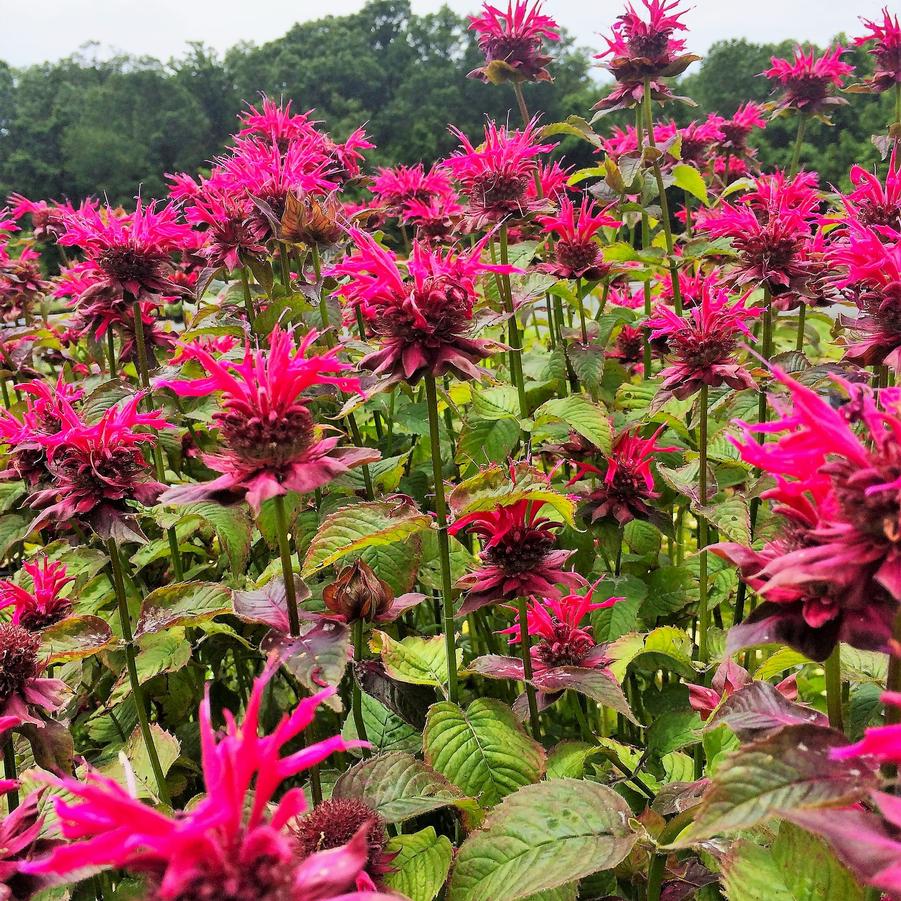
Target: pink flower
{"x": 232, "y": 844}
{"x": 703, "y": 342}
{"x": 886, "y": 39}
{"x": 737, "y": 130}
{"x": 834, "y": 572}
{"x": 232, "y": 228}
{"x": 577, "y": 253}
{"x": 20, "y": 840}
{"x": 553, "y": 179}
{"x": 97, "y": 468}
{"x": 562, "y": 639}
{"x": 434, "y": 220}
{"x": 644, "y": 52}
{"x": 627, "y": 482}
{"x": 873, "y": 203}
{"x": 519, "y": 556}
{"x": 129, "y": 253}
{"x": 423, "y": 324}
{"x": 512, "y": 42}
{"x": 45, "y": 604}
{"x": 808, "y": 81}
{"x": 882, "y": 743}
{"x": 395, "y": 187}
{"x": 24, "y": 692}
{"x": 272, "y": 444}
{"x": 495, "y": 175}
{"x": 47, "y": 220}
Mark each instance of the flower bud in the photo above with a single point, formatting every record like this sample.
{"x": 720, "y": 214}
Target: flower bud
{"x": 358, "y": 593}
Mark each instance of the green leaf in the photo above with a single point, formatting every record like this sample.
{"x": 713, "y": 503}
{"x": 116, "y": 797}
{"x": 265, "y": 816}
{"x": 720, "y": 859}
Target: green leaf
{"x": 398, "y": 786}
{"x": 590, "y": 420}
{"x": 232, "y": 525}
{"x": 385, "y": 730}
{"x": 730, "y": 516}
{"x": 482, "y": 750}
{"x": 422, "y": 864}
{"x": 567, "y": 759}
{"x": 14, "y": 527}
{"x": 666, "y": 648}
{"x": 487, "y": 441}
{"x": 789, "y": 770}
{"x": 419, "y": 661}
{"x": 182, "y": 604}
{"x": 168, "y": 750}
{"x": 75, "y": 638}
{"x": 158, "y": 653}
{"x": 673, "y": 730}
{"x": 798, "y": 867}
{"x": 543, "y": 837}
{"x": 359, "y": 527}
{"x": 690, "y": 180}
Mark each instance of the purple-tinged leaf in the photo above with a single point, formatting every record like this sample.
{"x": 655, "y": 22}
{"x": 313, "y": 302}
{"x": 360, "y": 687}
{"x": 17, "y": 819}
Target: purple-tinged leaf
{"x": 410, "y": 702}
{"x": 268, "y": 605}
{"x": 75, "y": 638}
{"x": 759, "y": 710}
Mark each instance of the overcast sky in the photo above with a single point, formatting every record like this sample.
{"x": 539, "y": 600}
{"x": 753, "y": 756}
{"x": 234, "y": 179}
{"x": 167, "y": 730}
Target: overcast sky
{"x": 35, "y": 30}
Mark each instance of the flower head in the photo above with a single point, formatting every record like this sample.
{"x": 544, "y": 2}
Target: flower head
{"x": 834, "y": 571}
{"x": 495, "y": 175}
{"x": 272, "y": 444}
{"x": 512, "y": 42}
{"x": 96, "y": 468}
{"x": 808, "y": 81}
{"x": 737, "y": 130}
{"x": 703, "y": 342}
{"x": 627, "y": 483}
{"x": 563, "y": 638}
{"x": 396, "y": 186}
{"x": 232, "y": 844}
{"x": 24, "y": 691}
{"x": 423, "y": 322}
{"x": 885, "y": 37}
{"x": 519, "y": 555}
{"x": 46, "y": 603}
{"x": 577, "y": 253}
{"x": 642, "y": 52}
{"x": 874, "y": 202}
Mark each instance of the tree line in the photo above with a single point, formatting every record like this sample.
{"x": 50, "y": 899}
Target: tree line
{"x": 93, "y": 125}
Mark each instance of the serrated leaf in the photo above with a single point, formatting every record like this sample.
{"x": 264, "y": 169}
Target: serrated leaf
{"x": 789, "y": 770}
{"x": 168, "y": 750}
{"x": 567, "y": 759}
{"x": 485, "y": 441}
{"x": 158, "y": 653}
{"x": 232, "y": 526}
{"x": 358, "y": 527}
{"x": 590, "y": 420}
{"x": 419, "y": 661}
{"x": 540, "y": 838}
{"x": 75, "y": 638}
{"x": 690, "y": 180}
{"x": 398, "y": 786}
{"x": 730, "y": 516}
{"x": 385, "y": 730}
{"x": 798, "y": 867}
{"x": 182, "y": 604}
{"x": 482, "y": 750}
{"x": 422, "y": 864}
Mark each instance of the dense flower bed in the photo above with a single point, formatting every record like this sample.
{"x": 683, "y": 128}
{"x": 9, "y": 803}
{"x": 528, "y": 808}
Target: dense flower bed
{"x": 488, "y": 531}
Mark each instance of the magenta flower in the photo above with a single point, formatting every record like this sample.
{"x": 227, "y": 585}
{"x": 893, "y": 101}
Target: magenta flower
{"x": 881, "y": 743}
{"x": 627, "y": 483}
{"x": 231, "y": 844}
{"x": 703, "y": 343}
{"x": 808, "y": 81}
{"x": 397, "y": 186}
{"x": 272, "y": 444}
{"x": 495, "y": 175}
{"x": 563, "y": 640}
{"x": 130, "y": 254}
{"x": 644, "y": 52}
{"x": 576, "y": 252}
{"x": 47, "y": 219}
{"x": 46, "y": 603}
{"x": 423, "y": 324}
{"x": 738, "y": 129}
{"x": 232, "y": 228}
{"x": 434, "y": 220}
{"x": 512, "y": 42}
{"x": 885, "y": 36}
{"x": 552, "y": 178}
{"x": 729, "y": 678}
{"x": 24, "y": 691}
{"x": 20, "y": 840}
{"x": 519, "y": 556}
{"x": 834, "y": 571}
{"x": 96, "y": 469}
{"x": 872, "y": 202}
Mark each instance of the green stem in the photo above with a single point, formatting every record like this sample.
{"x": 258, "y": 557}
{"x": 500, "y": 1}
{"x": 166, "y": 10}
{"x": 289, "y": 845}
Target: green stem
{"x": 645, "y": 243}
{"x": 317, "y": 272}
{"x": 664, "y": 204}
{"x": 513, "y": 326}
{"x": 111, "y": 351}
{"x": 521, "y": 103}
{"x": 796, "y": 153}
{"x": 669, "y": 834}
{"x": 281, "y": 524}
{"x": 144, "y": 376}
{"x": 10, "y": 772}
{"x": 283, "y": 262}
{"x": 136, "y": 688}
{"x": 581, "y": 303}
{"x": 248, "y": 299}
{"x": 357, "y": 697}
{"x": 524, "y": 651}
{"x": 802, "y": 317}
{"x": 833, "y": 670}
{"x": 703, "y": 611}
{"x": 5, "y": 388}
{"x": 450, "y": 647}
